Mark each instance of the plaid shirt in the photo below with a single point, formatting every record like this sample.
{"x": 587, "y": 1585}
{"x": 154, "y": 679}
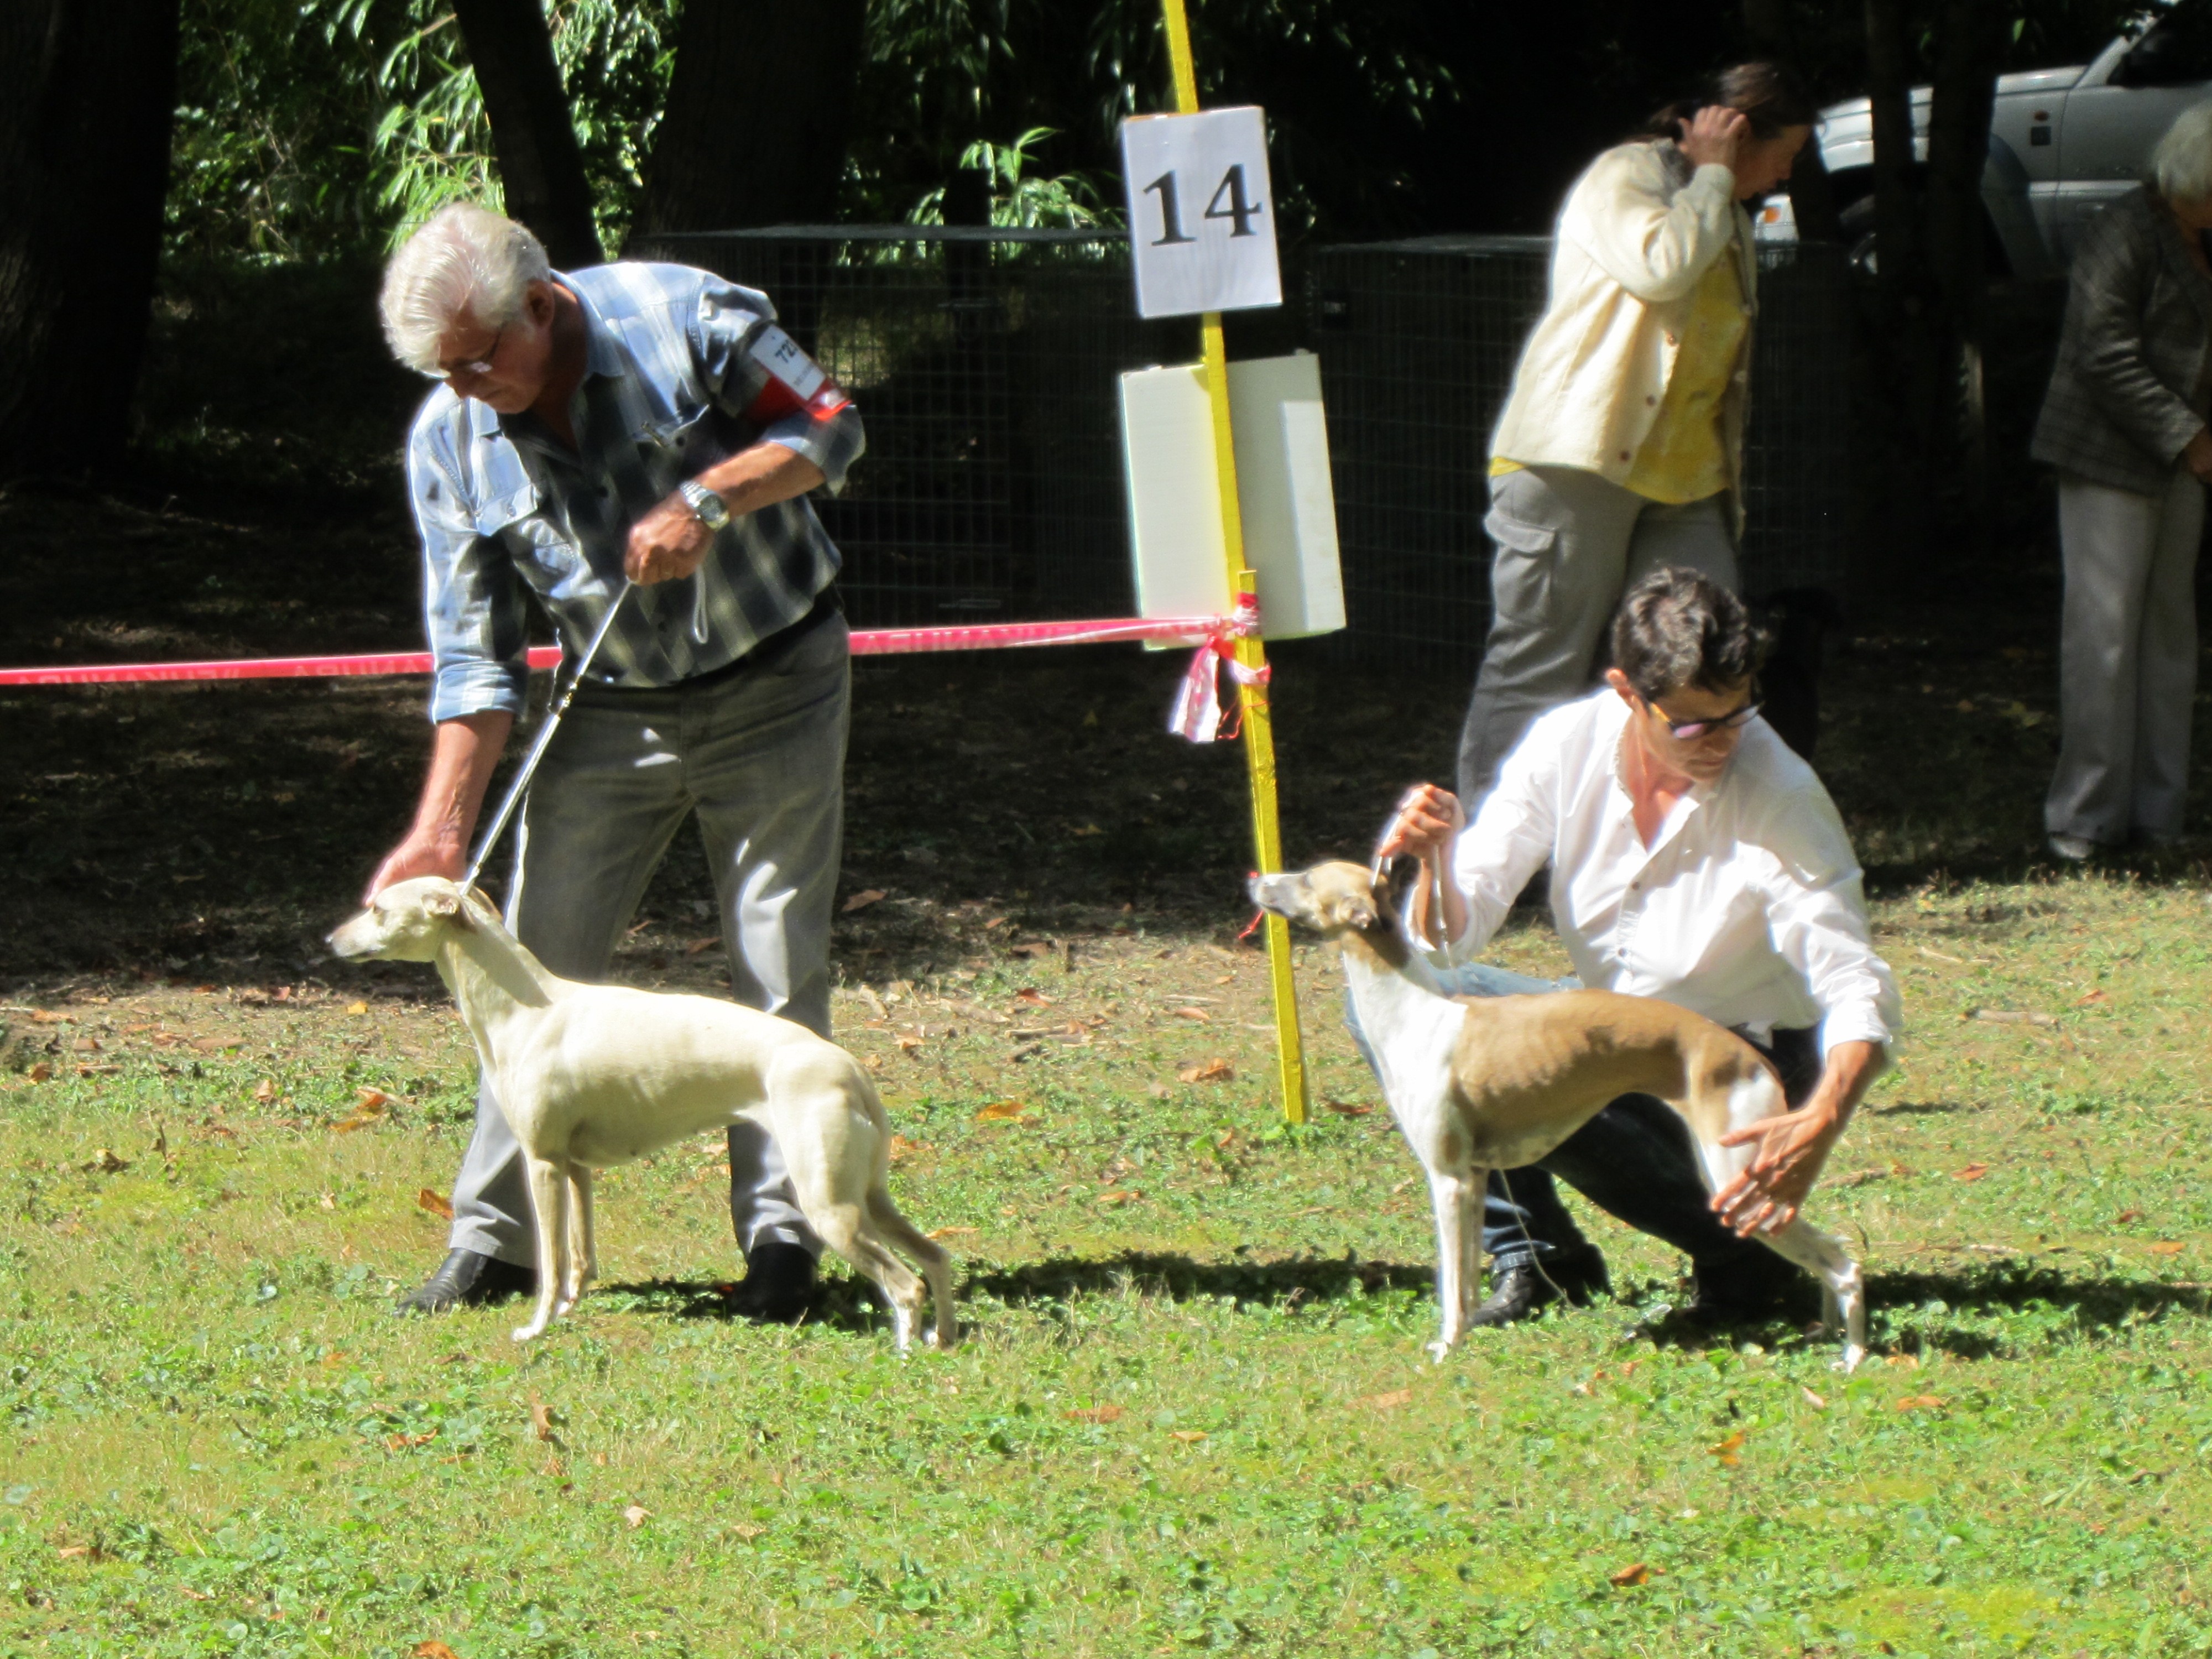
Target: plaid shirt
{"x": 2128, "y": 392}
{"x": 677, "y": 379}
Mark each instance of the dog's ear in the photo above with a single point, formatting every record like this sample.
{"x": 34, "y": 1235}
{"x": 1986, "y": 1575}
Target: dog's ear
{"x": 452, "y": 907}
{"x": 1398, "y": 881}
{"x": 1356, "y": 911}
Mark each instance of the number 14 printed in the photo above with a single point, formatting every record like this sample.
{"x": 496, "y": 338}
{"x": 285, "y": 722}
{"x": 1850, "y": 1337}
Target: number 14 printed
{"x": 1240, "y": 209}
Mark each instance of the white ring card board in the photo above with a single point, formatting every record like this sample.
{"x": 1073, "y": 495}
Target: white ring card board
{"x": 1287, "y": 497}
{"x": 1201, "y": 212}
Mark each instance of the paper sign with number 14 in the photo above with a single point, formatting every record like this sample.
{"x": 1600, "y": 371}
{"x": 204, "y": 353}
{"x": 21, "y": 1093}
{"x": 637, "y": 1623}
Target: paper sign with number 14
{"x": 1201, "y": 217}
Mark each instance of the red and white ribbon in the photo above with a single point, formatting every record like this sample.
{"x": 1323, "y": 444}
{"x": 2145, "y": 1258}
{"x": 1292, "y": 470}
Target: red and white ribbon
{"x": 1197, "y": 712}
{"x": 868, "y": 642}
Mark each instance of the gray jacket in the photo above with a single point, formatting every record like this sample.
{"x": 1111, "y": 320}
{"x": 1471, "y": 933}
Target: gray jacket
{"x": 2125, "y": 397}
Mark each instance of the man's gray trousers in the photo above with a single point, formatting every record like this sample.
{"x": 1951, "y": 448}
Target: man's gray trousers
{"x": 758, "y": 752}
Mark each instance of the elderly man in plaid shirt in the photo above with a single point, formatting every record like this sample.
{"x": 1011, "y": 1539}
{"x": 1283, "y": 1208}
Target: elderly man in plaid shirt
{"x": 648, "y": 421}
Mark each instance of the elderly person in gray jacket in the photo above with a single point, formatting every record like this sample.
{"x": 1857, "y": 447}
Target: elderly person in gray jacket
{"x": 2124, "y": 422}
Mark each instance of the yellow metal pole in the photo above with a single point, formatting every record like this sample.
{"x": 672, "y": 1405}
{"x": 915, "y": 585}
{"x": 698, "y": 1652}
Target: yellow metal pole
{"x": 1258, "y": 721}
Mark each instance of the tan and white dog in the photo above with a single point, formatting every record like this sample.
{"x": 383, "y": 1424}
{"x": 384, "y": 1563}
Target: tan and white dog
{"x": 1479, "y": 1084}
{"x": 593, "y": 1076}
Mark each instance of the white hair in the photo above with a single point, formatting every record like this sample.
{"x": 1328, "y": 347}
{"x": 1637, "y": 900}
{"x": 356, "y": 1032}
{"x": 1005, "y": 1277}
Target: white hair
{"x": 2181, "y": 166}
{"x": 464, "y": 259}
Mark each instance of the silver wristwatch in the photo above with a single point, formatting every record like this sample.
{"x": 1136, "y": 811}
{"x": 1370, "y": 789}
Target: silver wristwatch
{"x": 706, "y": 506}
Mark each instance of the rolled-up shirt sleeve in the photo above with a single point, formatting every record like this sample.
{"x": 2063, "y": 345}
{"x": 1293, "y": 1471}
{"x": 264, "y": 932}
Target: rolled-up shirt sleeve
{"x": 755, "y": 372}
{"x": 1816, "y": 916}
{"x": 474, "y": 607}
{"x": 1510, "y": 839}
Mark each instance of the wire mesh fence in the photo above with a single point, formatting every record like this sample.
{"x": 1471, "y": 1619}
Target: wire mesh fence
{"x": 1418, "y": 341}
{"x": 985, "y": 363}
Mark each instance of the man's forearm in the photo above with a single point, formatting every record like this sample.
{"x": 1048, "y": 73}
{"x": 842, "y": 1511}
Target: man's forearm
{"x": 761, "y": 476}
{"x": 463, "y": 756}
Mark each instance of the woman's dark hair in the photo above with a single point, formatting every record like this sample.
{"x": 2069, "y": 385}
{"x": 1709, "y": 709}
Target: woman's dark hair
{"x": 1676, "y": 627}
{"x": 1765, "y": 95}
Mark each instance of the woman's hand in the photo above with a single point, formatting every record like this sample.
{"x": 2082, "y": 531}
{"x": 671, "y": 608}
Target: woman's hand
{"x": 1425, "y": 824}
{"x": 2197, "y": 456}
{"x": 1713, "y": 137}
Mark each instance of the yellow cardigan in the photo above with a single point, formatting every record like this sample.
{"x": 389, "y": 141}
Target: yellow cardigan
{"x": 1639, "y": 229}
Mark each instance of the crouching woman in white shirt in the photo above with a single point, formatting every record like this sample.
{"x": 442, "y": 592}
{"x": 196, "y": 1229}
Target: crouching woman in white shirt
{"x": 1696, "y": 859}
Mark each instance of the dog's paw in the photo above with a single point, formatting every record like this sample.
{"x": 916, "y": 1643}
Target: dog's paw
{"x": 527, "y": 1332}
{"x": 1439, "y": 1351}
{"x": 1849, "y": 1360}
{"x": 943, "y": 1341}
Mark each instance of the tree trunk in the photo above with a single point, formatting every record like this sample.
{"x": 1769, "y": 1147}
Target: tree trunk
{"x": 1889, "y": 91}
{"x": 757, "y": 117}
{"x": 1812, "y": 192}
{"x": 1968, "y": 44}
{"x": 540, "y": 168}
{"x": 87, "y": 88}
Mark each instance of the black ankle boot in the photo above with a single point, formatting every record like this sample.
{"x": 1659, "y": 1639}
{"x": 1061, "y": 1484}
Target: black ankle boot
{"x": 1525, "y": 1288}
{"x": 468, "y": 1280}
{"x": 778, "y": 1287}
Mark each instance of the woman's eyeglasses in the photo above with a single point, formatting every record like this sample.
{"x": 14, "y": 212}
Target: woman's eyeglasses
{"x": 1691, "y": 731}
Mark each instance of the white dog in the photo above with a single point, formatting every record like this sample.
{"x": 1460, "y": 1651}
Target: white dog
{"x": 1479, "y": 1084}
{"x": 592, "y": 1076}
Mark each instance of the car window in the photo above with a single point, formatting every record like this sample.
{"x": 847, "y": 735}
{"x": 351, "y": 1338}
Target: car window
{"x": 2178, "y": 49}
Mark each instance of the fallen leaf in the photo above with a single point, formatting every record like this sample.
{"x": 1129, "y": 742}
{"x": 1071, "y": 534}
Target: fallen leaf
{"x": 2012, "y": 1016}
{"x": 1386, "y": 1402}
{"x": 330, "y": 1200}
{"x": 1346, "y": 1109}
{"x": 358, "y": 1008}
{"x": 42, "y": 1073}
{"x": 41, "y": 1016}
{"x": 1001, "y": 1111}
{"x": 2166, "y": 1248}
{"x": 2125, "y": 1217}
{"x": 264, "y": 1091}
{"x": 635, "y": 1514}
{"x": 370, "y": 1106}
{"x": 1857, "y": 1178}
{"x": 748, "y": 1531}
{"x": 906, "y": 1041}
{"x": 107, "y": 1162}
{"x": 1035, "y": 998}
{"x": 1120, "y": 1197}
{"x": 195, "y": 1595}
{"x": 1814, "y": 1400}
{"x": 408, "y": 1442}
{"x": 1629, "y": 1576}
{"x": 2093, "y": 996}
{"x": 1212, "y": 1071}
{"x": 1972, "y": 1172}
{"x": 82, "y": 1553}
{"x": 902, "y": 1149}
{"x": 862, "y": 899}
{"x": 541, "y": 1419}
{"x": 1188, "y": 1437}
{"x": 950, "y": 1232}
{"x": 699, "y": 944}
{"x": 1726, "y": 1451}
{"x": 1910, "y": 1361}
{"x": 435, "y": 1202}
{"x": 1158, "y": 1090}
{"x": 1034, "y": 948}
{"x": 1198, "y": 1014}
{"x": 1094, "y": 1414}
{"x": 1920, "y": 1402}
{"x": 434, "y": 1650}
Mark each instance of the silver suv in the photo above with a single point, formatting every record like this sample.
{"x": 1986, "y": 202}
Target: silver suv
{"x": 2062, "y": 142}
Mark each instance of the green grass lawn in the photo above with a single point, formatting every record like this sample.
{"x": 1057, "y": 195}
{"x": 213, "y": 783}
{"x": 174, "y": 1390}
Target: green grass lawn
{"x": 1191, "y": 1410}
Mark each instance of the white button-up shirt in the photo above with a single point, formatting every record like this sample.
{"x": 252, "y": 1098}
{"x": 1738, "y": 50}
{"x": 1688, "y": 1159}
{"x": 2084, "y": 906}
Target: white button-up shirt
{"x": 1746, "y": 907}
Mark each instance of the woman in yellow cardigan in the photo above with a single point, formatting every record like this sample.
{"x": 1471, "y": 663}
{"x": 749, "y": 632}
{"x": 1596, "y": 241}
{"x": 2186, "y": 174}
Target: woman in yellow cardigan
{"x": 1620, "y": 449}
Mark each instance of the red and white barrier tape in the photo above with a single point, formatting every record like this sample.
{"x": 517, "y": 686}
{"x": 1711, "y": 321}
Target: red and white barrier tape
{"x": 1197, "y": 713}
{"x": 870, "y": 642}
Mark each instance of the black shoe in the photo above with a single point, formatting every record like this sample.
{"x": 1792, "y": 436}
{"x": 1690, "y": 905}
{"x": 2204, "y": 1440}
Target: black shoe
{"x": 467, "y": 1279}
{"x": 1750, "y": 1289}
{"x": 1523, "y": 1288}
{"x": 778, "y": 1288}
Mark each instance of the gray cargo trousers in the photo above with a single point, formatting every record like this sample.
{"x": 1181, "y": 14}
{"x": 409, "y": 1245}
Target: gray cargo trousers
{"x": 1569, "y": 544}
{"x": 758, "y": 751}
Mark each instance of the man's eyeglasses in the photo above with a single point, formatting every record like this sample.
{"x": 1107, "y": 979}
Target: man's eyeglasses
{"x": 475, "y": 366}
{"x": 1691, "y": 731}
